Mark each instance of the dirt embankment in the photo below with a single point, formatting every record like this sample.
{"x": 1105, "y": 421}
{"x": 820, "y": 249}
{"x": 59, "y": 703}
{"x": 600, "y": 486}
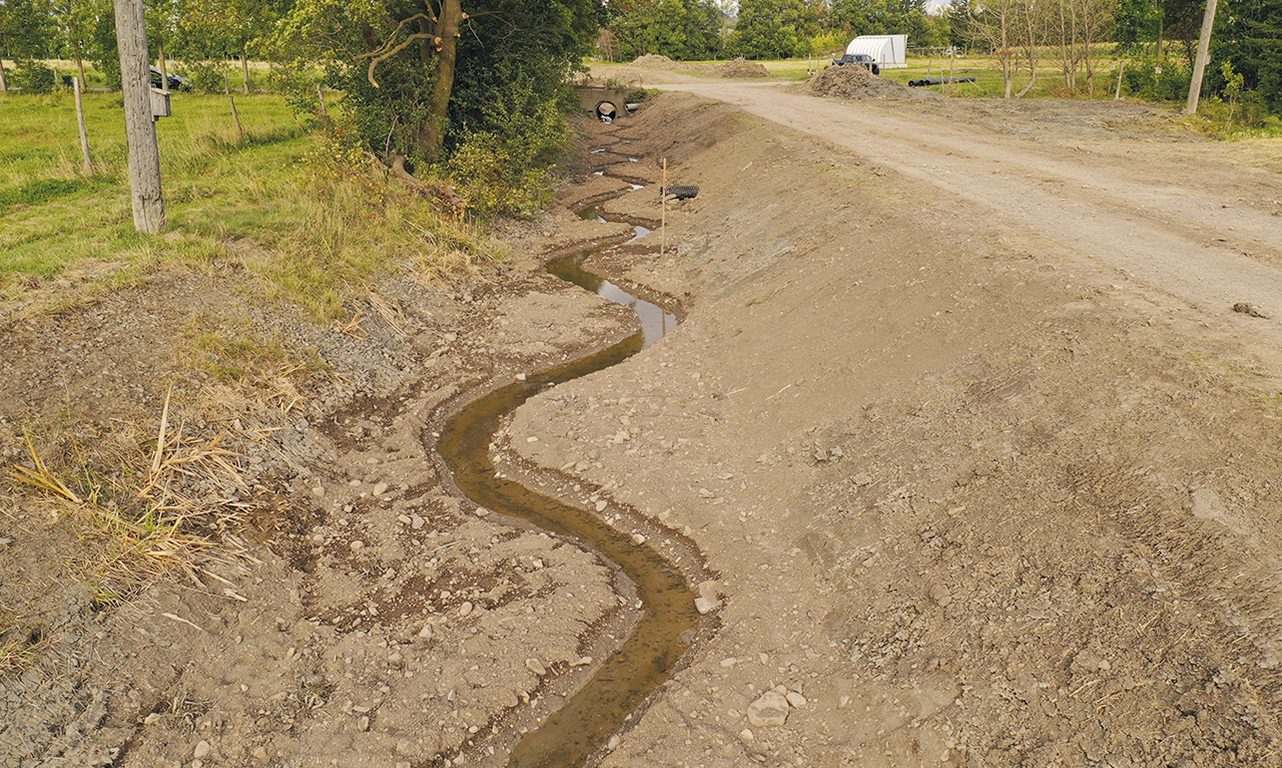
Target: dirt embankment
{"x": 357, "y": 609}
{"x": 976, "y": 500}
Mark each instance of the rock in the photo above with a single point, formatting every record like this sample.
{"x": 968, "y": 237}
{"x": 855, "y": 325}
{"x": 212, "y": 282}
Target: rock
{"x": 363, "y": 723}
{"x": 536, "y": 666}
{"x": 202, "y": 750}
{"x": 707, "y": 601}
{"x": 521, "y": 377}
{"x": 425, "y": 633}
{"x": 746, "y": 734}
{"x": 771, "y": 708}
{"x": 260, "y": 753}
{"x": 1249, "y": 310}
{"x": 795, "y": 699}
{"x": 380, "y": 489}
{"x": 357, "y": 545}
{"x": 465, "y": 609}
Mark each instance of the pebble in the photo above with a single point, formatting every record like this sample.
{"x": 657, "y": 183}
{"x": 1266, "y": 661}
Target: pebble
{"x": 795, "y": 699}
{"x": 203, "y": 748}
{"x": 536, "y": 666}
{"x": 465, "y": 609}
{"x": 771, "y": 708}
{"x": 357, "y": 545}
{"x": 380, "y": 489}
{"x": 260, "y": 753}
{"x": 707, "y": 601}
{"x": 425, "y": 633}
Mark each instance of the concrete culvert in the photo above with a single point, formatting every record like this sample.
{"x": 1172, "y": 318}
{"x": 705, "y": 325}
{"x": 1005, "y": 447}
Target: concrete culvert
{"x": 606, "y": 112}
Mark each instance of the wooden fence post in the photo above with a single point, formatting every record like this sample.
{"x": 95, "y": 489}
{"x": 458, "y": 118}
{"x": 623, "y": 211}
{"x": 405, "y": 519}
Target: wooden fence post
{"x": 80, "y": 123}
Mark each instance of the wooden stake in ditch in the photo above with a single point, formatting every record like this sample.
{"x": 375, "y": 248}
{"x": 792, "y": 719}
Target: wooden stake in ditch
{"x": 1121, "y": 67}
{"x": 80, "y": 122}
{"x": 140, "y": 127}
{"x": 663, "y": 205}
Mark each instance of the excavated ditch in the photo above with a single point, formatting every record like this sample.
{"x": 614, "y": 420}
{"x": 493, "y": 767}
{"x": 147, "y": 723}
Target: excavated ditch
{"x": 650, "y": 654}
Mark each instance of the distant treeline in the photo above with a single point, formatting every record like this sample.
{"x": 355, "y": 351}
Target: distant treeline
{"x": 1157, "y": 37}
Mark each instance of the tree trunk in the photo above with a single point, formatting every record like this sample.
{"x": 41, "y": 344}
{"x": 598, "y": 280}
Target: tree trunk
{"x": 1007, "y": 75}
{"x": 80, "y": 68}
{"x": 4, "y": 81}
{"x": 244, "y": 70}
{"x": 164, "y": 65}
{"x": 1203, "y": 53}
{"x": 140, "y": 129}
{"x": 447, "y": 34}
{"x": 1161, "y": 28}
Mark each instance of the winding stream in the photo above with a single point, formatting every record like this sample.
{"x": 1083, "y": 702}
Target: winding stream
{"x": 587, "y": 719}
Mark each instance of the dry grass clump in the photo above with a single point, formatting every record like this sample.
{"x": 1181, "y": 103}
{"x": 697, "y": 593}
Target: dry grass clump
{"x": 168, "y": 504}
{"x": 20, "y": 647}
{"x": 352, "y": 219}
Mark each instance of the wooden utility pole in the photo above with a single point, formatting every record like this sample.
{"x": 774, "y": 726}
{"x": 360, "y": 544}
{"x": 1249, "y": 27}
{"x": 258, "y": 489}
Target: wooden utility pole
{"x": 1203, "y": 53}
{"x": 80, "y": 123}
{"x": 140, "y": 128}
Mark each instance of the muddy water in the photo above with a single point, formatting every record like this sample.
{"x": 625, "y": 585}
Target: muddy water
{"x": 649, "y": 655}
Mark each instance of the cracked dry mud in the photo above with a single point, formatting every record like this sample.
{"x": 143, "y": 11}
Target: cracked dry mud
{"x": 973, "y": 491}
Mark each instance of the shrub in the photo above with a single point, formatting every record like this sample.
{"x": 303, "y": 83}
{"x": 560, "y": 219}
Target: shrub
{"x": 33, "y": 77}
{"x": 1144, "y": 78}
{"x": 504, "y": 170}
{"x": 208, "y": 76}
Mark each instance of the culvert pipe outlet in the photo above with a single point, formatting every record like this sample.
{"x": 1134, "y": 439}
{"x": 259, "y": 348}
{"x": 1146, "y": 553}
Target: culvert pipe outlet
{"x": 606, "y": 111}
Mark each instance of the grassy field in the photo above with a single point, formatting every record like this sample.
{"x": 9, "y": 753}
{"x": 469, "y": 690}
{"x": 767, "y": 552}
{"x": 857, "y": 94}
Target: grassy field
{"x": 326, "y": 220}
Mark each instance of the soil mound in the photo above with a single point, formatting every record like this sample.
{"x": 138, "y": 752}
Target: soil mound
{"x": 743, "y": 68}
{"x": 855, "y": 82}
{"x": 655, "y": 61}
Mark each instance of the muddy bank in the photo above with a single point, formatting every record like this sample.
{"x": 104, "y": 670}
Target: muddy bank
{"x": 368, "y": 612}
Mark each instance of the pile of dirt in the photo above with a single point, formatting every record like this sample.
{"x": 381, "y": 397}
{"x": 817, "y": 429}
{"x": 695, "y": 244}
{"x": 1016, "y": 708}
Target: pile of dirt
{"x": 743, "y": 68}
{"x": 858, "y": 83}
{"x": 654, "y": 61}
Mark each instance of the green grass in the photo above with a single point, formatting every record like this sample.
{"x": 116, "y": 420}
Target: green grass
{"x": 320, "y": 220}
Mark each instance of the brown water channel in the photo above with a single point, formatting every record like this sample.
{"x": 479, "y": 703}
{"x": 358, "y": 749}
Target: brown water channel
{"x": 587, "y": 719}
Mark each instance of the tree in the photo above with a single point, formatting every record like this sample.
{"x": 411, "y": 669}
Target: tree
{"x": 25, "y": 32}
{"x": 1250, "y": 36}
{"x": 423, "y": 84}
{"x": 770, "y": 29}
{"x": 76, "y": 23}
{"x": 216, "y": 29}
{"x": 678, "y": 29}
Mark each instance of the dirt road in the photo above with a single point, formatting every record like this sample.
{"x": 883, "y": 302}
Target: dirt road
{"x": 1178, "y": 215}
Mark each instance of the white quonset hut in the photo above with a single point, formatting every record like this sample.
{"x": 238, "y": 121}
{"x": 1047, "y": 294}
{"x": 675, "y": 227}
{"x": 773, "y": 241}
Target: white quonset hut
{"x": 889, "y": 51}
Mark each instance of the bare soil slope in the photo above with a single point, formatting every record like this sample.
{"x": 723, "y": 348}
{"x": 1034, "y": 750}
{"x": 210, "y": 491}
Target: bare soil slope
{"x": 977, "y": 495}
